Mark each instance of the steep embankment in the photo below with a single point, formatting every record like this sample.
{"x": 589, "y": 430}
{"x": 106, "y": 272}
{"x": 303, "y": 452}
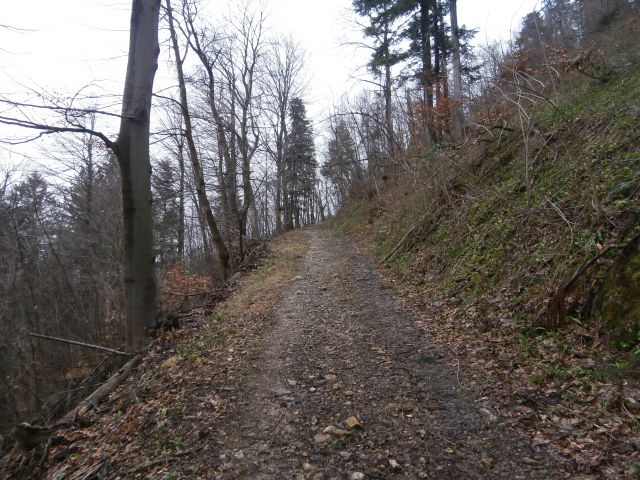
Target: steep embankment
{"x": 164, "y": 420}
{"x": 528, "y": 273}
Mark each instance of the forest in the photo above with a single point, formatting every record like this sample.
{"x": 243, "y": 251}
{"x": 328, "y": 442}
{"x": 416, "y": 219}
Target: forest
{"x": 179, "y": 268}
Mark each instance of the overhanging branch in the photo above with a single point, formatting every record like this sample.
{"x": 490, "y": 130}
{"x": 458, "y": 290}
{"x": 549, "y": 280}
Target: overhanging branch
{"x": 46, "y": 129}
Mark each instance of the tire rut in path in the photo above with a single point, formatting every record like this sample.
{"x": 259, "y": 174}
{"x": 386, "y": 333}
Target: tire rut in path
{"x": 343, "y": 346}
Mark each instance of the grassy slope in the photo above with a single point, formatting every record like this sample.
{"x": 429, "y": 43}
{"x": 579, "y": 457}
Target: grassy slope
{"x": 483, "y": 275}
{"x": 585, "y": 195}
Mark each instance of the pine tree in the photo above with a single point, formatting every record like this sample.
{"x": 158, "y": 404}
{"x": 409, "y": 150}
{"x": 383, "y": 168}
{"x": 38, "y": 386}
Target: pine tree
{"x": 382, "y": 15}
{"x": 342, "y": 167}
{"x": 300, "y": 165}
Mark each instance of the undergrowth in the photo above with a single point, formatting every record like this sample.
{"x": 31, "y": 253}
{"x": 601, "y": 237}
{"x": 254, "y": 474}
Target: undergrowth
{"x": 485, "y": 259}
{"x": 585, "y": 191}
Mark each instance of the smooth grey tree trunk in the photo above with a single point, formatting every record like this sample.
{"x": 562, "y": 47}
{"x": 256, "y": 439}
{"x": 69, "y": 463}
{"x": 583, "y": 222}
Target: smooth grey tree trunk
{"x": 181, "y": 212}
{"x": 132, "y": 148}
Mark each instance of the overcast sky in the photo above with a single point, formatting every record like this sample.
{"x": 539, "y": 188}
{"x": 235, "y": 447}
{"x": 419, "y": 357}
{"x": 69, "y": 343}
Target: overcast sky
{"x": 68, "y": 44}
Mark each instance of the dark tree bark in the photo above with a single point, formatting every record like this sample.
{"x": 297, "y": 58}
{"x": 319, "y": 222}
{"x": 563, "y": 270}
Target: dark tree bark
{"x": 458, "y": 114}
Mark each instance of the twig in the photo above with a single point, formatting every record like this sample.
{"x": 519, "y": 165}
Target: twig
{"x": 81, "y": 344}
{"x": 184, "y": 294}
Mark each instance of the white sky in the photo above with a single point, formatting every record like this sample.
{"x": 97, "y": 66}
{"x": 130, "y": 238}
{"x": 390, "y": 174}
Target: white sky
{"x": 68, "y": 44}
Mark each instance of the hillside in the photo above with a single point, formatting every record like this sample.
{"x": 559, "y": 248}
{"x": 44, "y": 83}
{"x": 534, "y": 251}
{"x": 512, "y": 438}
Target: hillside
{"x": 534, "y": 291}
{"x": 210, "y": 269}
{"x": 474, "y": 355}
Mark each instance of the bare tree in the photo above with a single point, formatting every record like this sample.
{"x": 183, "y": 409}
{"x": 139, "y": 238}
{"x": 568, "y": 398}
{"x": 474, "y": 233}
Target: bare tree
{"x": 241, "y": 66}
{"x": 132, "y": 151}
{"x": 203, "y": 200}
{"x": 283, "y": 82}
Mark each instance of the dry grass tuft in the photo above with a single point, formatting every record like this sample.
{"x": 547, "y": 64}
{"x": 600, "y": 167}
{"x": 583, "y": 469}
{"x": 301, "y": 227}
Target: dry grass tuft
{"x": 258, "y": 292}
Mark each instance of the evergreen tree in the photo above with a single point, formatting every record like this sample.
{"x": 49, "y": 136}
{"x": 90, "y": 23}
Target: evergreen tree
{"x": 166, "y": 206}
{"x": 420, "y": 26}
{"x": 300, "y": 164}
{"x": 342, "y": 167}
{"x": 382, "y": 15}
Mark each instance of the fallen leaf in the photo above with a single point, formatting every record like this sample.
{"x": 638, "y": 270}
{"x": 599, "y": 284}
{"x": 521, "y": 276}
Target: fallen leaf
{"x": 170, "y": 362}
{"x": 352, "y": 422}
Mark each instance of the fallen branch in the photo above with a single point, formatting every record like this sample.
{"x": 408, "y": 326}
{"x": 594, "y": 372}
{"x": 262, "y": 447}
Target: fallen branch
{"x": 105, "y": 389}
{"x": 81, "y": 344}
{"x": 175, "y": 294}
{"x": 403, "y": 239}
{"x": 413, "y": 229}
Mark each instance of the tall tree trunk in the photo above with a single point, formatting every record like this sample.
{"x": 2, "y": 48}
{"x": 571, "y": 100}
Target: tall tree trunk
{"x": 278, "y": 198}
{"x": 232, "y": 167}
{"x": 458, "y": 114}
{"x": 254, "y": 217}
{"x": 287, "y": 199}
{"x": 133, "y": 155}
{"x": 181, "y": 199}
{"x": 222, "y": 191}
{"x": 427, "y": 71}
{"x": 388, "y": 106}
{"x": 280, "y": 165}
{"x": 207, "y": 254}
{"x": 203, "y": 200}
{"x": 438, "y": 51}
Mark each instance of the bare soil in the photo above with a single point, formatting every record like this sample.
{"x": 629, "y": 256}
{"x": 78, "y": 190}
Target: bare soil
{"x": 343, "y": 347}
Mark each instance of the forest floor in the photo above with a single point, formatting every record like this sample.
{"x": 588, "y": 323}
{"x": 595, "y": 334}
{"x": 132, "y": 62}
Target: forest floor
{"x": 312, "y": 369}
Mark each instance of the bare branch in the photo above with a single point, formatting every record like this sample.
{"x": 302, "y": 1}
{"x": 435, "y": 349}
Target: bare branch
{"x": 81, "y": 344}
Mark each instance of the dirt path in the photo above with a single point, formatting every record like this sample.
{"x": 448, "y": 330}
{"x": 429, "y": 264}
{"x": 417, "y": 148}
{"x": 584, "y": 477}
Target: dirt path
{"x": 343, "y": 347}
{"x": 316, "y": 375}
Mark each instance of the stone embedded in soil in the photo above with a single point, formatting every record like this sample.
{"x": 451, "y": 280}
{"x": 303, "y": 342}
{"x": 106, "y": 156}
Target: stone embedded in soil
{"x": 238, "y": 455}
{"x": 280, "y": 392}
{"x": 322, "y": 438}
{"x": 353, "y": 422}
{"x": 357, "y": 476}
